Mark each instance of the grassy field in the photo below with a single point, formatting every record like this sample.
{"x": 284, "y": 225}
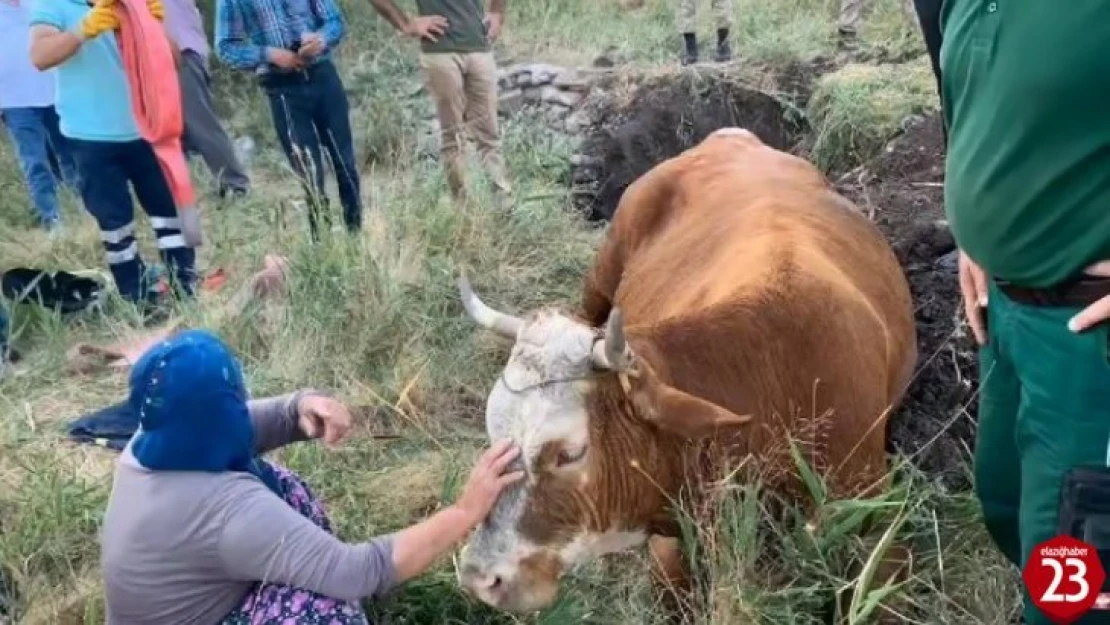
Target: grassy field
{"x": 377, "y": 320}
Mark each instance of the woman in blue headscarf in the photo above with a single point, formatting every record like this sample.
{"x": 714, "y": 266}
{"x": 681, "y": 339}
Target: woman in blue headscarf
{"x": 200, "y": 529}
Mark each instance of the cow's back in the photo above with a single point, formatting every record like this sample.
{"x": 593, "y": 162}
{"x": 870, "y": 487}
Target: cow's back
{"x": 747, "y": 281}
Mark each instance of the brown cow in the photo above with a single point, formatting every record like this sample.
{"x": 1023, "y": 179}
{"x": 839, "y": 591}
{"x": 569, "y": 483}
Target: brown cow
{"x": 736, "y": 300}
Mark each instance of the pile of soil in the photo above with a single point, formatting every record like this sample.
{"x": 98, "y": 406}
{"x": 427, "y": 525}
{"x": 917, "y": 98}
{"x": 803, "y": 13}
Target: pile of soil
{"x": 901, "y": 189}
{"x": 664, "y": 117}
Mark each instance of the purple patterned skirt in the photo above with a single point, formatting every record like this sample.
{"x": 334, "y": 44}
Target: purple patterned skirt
{"x": 275, "y": 604}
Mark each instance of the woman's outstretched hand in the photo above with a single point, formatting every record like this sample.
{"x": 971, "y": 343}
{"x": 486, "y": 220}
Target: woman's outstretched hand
{"x": 417, "y": 547}
{"x": 324, "y": 418}
{"x": 487, "y": 479}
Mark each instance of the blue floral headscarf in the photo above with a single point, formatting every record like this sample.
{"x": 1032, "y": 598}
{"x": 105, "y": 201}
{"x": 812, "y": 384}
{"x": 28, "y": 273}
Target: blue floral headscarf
{"x": 192, "y": 404}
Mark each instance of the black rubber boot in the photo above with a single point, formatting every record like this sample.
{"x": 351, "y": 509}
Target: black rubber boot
{"x": 690, "y": 53}
{"x": 724, "y": 48}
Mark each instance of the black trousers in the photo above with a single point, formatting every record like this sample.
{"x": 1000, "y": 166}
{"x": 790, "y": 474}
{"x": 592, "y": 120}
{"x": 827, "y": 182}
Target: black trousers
{"x": 928, "y": 15}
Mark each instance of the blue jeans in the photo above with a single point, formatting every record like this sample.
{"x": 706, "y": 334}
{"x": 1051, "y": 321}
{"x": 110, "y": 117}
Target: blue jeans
{"x": 107, "y": 197}
{"x": 310, "y": 109}
{"x": 44, "y": 156}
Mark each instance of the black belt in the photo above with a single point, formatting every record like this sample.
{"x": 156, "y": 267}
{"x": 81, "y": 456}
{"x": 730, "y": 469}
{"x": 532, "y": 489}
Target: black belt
{"x": 283, "y": 78}
{"x": 1077, "y": 293}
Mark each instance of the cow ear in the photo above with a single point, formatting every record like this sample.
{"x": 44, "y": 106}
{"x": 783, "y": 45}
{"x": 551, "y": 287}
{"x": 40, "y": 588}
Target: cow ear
{"x": 681, "y": 413}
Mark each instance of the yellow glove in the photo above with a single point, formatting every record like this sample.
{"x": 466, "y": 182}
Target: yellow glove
{"x": 156, "y": 9}
{"x": 100, "y": 19}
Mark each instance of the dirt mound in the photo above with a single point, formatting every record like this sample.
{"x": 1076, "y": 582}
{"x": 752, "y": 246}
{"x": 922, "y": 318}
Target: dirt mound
{"x": 903, "y": 191}
{"x": 661, "y": 118}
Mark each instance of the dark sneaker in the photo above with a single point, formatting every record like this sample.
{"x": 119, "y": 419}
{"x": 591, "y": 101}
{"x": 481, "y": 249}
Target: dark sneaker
{"x": 690, "y": 48}
{"x": 724, "y": 52}
{"x": 233, "y": 193}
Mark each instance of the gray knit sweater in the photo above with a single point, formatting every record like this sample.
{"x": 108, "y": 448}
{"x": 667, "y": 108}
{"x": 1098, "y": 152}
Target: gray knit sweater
{"x": 185, "y": 547}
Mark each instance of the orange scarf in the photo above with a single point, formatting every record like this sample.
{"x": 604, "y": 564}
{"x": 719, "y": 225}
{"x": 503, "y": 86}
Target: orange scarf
{"x": 156, "y": 102}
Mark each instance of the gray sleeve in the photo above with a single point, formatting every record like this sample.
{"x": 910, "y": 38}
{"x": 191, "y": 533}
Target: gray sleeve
{"x": 264, "y": 539}
{"x": 275, "y": 421}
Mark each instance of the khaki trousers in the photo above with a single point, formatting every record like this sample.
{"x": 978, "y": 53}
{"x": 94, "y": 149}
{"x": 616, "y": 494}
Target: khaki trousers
{"x": 687, "y": 14}
{"x": 851, "y": 11}
{"x": 464, "y": 89}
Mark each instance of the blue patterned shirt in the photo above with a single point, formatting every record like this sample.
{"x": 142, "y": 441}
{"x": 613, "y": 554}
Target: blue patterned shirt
{"x": 245, "y": 28}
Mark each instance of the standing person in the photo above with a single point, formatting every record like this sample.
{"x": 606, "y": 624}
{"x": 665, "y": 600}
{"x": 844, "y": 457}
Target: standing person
{"x": 27, "y": 109}
{"x": 94, "y": 107}
{"x": 1027, "y": 192}
{"x": 203, "y": 132}
{"x": 201, "y": 529}
{"x": 688, "y": 25}
{"x": 461, "y": 75}
{"x": 928, "y": 19}
{"x": 288, "y": 45}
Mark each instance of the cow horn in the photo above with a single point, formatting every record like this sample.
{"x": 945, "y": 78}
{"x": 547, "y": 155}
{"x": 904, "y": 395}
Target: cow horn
{"x": 612, "y": 352}
{"x": 501, "y": 323}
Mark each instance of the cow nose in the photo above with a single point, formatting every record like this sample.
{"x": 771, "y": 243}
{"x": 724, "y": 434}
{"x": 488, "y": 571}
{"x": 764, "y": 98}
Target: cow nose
{"x": 487, "y": 585}
{"x": 487, "y": 582}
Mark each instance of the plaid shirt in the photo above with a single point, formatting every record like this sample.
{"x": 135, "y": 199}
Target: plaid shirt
{"x": 245, "y": 28}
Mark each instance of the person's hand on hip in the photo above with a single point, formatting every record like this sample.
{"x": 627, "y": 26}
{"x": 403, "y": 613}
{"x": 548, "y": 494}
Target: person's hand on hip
{"x": 1099, "y": 311}
{"x": 426, "y": 27}
{"x": 973, "y": 286}
{"x": 493, "y": 23}
{"x": 101, "y": 18}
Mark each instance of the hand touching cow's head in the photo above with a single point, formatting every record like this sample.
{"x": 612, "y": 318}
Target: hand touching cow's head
{"x": 601, "y": 440}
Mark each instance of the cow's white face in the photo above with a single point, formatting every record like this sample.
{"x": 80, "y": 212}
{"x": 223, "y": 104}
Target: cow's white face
{"x": 598, "y": 474}
{"x": 539, "y": 528}
{"x": 540, "y": 397}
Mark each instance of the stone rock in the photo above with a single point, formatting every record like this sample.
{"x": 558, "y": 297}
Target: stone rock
{"x": 536, "y": 74}
{"x": 555, "y": 95}
{"x": 585, "y": 160}
{"x": 510, "y": 102}
{"x": 610, "y": 58}
{"x": 578, "y": 121}
{"x": 545, "y": 74}
{"x": 571, "y": 81}
{"x": 533, "y": 95}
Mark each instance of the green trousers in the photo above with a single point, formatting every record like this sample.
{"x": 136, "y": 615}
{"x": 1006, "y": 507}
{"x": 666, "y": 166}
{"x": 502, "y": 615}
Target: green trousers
{"x": 1044, "y": 407}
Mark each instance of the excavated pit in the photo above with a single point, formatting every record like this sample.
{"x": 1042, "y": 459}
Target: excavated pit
{"x": 901, "y": 189}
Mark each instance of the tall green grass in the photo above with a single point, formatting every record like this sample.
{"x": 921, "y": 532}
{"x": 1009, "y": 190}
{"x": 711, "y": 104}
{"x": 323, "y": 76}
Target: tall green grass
{"x": 376, "y": 319}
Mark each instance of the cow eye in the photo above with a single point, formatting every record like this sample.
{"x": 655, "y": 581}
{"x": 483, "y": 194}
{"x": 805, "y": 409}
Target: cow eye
{"x": 570, "y": 457}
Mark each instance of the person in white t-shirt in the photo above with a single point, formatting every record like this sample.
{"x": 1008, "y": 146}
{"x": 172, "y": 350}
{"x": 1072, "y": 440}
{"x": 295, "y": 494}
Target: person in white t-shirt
{"x": 27, "y": 108}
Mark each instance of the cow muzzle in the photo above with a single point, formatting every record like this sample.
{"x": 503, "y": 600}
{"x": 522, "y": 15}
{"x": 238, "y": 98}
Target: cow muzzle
{"x": 529, "y": 586}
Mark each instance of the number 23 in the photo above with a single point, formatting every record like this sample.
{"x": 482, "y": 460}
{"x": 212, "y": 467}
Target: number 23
{"x": 1079, "y": 577}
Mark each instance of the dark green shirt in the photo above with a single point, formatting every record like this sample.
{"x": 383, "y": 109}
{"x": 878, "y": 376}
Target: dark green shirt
{"x": 1026, "y": 87}
{"x": 466, "y": 28}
